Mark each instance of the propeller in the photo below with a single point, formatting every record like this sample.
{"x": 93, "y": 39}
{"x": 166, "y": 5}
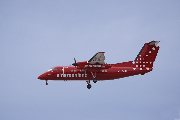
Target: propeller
{"x": 74, "y": 64}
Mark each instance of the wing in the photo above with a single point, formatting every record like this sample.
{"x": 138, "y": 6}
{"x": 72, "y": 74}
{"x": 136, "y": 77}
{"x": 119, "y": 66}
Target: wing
{"x": 97, "y": 58}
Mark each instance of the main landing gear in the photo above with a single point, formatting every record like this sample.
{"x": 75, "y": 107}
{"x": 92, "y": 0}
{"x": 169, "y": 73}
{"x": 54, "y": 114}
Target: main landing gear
{"x": 94, "y": 77}
{"x": 88, "y": 84}
{"x": 95, "y": 80}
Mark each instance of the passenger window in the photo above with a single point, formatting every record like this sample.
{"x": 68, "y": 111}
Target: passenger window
{"x": 102, "y": 70}
{"x": 74, "y": 70}
{"x": 105, "y": 70}
{"x": 71, "y": 70}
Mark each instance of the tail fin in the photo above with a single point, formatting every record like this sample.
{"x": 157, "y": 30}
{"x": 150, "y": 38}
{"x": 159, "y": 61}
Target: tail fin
{"x": 147, "y": 55}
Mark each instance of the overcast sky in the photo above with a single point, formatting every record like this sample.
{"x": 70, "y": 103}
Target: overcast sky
{"x": 36, "y": 35}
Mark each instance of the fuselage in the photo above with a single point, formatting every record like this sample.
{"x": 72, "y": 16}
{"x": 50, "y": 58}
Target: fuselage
{"x": 72, "y": 73}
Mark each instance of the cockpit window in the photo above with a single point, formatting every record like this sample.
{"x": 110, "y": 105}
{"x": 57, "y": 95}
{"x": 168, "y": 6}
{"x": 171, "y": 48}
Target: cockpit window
{"x": 49, "y": 69}
{"x": 52, "y": 69}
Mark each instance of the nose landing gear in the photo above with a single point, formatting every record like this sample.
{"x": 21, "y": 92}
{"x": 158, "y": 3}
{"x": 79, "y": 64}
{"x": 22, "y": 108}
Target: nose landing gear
{"x": 46, "y": 82}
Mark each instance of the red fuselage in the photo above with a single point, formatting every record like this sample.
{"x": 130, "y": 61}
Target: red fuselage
{"x": 72, "y": 73}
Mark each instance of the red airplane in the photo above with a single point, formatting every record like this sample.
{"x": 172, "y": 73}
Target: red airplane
{"x": 96, "y": 69}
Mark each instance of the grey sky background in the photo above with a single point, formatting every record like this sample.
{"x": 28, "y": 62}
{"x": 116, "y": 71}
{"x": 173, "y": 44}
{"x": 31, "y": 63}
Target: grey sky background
{"x": 37, "y": 35}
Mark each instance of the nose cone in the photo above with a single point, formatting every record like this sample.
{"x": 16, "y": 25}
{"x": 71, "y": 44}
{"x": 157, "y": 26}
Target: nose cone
{"x": 41, "y": 77}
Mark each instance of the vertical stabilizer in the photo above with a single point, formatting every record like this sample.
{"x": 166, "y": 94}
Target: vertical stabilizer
{"x": 147, "y": 55}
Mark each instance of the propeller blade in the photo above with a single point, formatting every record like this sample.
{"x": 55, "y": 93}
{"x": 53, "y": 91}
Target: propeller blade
{"x": 74, "y": 60}
{"x": 74, "y": 64}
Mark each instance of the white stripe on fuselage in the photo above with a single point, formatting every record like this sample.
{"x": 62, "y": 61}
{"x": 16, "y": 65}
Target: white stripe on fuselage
{"x": 73, "y": 75}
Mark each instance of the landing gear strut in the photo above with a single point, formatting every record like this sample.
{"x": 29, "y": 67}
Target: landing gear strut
{"x": 94, "y": 77}
{"x": 88, "y": 84}
{"x": 46, "y": 82}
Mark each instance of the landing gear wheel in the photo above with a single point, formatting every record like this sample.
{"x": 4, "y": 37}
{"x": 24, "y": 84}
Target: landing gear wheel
{"x": 95, "y": 80}
{"x": 89, "y": 86}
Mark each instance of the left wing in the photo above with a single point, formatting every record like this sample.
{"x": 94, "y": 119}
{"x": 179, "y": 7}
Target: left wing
{"x": 98, "y": 58}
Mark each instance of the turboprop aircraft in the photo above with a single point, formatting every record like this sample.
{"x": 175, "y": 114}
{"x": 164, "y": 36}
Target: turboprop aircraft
{"x": 97, "y": 70}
